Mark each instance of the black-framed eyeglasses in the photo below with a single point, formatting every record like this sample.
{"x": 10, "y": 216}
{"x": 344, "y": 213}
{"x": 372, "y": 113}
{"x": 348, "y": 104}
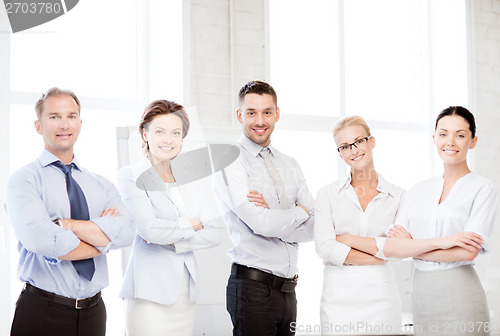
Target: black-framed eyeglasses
{"x": 356, "y": 143}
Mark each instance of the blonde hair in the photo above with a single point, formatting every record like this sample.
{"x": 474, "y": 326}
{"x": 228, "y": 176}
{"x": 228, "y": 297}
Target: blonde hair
{"x": 351, "y": 121}
{"x": 54, "y": 92}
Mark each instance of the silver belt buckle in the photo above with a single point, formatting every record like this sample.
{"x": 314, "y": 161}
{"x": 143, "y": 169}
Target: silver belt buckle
{"x": 76, "y": 303}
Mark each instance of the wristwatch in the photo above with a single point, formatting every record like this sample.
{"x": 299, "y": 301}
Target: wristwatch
{"x": 57, "y": 221}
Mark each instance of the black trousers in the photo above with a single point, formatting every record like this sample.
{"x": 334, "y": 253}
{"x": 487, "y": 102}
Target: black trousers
{"x": 257, "y": 309}
{"x": 38, "y": 316}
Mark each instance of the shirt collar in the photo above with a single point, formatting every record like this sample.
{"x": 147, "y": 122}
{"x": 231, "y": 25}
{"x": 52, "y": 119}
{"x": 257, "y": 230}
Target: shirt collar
{"x": 47, "y": 158}
{"x": 252, "y": 147}
{"x": 346, "y": 181}
{"x": 383, "y": 186}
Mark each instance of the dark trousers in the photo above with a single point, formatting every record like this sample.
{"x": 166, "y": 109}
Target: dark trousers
{"x": 257, "y": 309}
{"x": 38, "y": 316}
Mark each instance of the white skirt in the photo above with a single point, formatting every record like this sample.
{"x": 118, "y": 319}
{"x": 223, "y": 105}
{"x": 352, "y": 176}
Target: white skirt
{"x": 150, "y": 318}
{"x": 449, "y": 302}
{"x": 360, "y": 300}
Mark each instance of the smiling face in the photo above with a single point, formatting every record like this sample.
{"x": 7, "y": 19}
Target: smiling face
{"x": 164, "y": 137}
{"x": 359, "y": 157}
{"x": 60, "y": 125}
{"x": 257, "y": 115}
{"x": 453, "y": 139}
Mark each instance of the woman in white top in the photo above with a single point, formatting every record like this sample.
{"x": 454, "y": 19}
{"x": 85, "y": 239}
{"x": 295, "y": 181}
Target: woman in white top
{"x": 172, "y": 220}
{"x": 360, "y": 295}
{"x": 445, "y": 223}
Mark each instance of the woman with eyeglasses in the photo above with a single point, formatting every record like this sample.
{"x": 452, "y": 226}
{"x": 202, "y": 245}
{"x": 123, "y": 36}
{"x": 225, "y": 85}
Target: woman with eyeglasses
{"x": 445, "y": 223}
{"x": 359, "y": 288}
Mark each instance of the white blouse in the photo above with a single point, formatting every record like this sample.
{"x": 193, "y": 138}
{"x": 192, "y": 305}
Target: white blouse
{"x": 469, "y": 207}
{"x": 339, "y": 212}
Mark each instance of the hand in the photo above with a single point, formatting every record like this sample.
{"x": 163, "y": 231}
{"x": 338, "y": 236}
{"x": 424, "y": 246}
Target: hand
{"x": 67, "y": 223}
{"x": 70, "y": 224}
{"x": 196, "y": 224}
{"x": 466, "y": 240}
{"x": 397, "y": 231}
{"x": 257, "y": 198}
{"x": 110, "y": 212}
{"x": 305, "y": 209}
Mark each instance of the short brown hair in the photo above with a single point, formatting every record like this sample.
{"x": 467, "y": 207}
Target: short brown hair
{"x": 54, "y": 92}
{"x": 258, "y": 87}
{"x": 162, "y": 107}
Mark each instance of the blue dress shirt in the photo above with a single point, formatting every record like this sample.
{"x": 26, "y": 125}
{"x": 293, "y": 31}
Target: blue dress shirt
{"x": 36, "y": 194}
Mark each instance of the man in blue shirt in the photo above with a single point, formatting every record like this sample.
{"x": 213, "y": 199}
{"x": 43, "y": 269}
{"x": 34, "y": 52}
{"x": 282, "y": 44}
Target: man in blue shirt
{"x": 63, "y": 255}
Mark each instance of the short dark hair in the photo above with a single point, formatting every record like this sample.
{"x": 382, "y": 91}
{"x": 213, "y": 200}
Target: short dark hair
{"x": 161, "y": 107}
{"x": 258, "y": 87}
{"x": 54, "y": 92}
{"x": 459, "y": 111}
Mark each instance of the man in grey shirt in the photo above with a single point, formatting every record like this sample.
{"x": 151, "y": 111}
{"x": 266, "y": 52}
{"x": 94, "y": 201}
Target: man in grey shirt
{"x": 267, "y": 208}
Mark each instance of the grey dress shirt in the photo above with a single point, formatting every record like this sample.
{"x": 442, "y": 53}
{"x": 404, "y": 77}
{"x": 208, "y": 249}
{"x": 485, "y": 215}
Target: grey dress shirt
{"x": 265, "y": 239}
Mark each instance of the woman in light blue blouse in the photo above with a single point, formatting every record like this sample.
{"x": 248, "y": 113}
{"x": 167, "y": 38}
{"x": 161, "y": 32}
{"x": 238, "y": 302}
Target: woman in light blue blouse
{"x": 171, "y": 220}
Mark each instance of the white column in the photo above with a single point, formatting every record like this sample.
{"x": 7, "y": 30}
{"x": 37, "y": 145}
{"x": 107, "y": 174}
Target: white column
{"x": 5, "y": 307}
{"x": 484, "y": 24}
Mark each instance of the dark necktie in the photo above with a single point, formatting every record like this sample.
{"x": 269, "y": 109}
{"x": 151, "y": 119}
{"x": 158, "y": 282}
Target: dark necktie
{"x": 79, "y": 210}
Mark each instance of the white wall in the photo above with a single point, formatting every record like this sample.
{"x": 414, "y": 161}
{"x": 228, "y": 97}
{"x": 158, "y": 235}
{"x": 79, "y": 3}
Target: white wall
{"x": 4, "y": 172}
{"x": 485, "y": 75}
{"x": 227, "y": 49}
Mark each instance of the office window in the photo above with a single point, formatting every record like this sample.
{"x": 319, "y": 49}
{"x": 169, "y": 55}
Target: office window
{"x": 304, "y": 58}
{"x": 83, "y": 50}
{"x": 386, "y": 59}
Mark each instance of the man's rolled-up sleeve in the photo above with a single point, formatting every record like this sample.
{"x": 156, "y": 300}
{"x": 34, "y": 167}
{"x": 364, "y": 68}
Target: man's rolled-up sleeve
{"x": 119, "y": 229}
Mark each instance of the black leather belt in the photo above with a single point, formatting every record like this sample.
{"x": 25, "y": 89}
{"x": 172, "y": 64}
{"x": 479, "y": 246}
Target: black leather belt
{"x": 72, "y": 303}
{"x": 284, "y": 284}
